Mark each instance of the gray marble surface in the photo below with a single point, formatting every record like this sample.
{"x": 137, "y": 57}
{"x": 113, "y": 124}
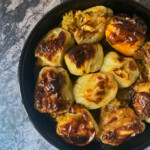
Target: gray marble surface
{"x": 17, "y": 19}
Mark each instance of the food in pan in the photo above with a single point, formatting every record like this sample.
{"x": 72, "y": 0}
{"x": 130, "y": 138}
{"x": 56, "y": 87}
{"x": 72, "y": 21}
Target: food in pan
{"x": 84, "y": 58}
{"x": 118, "y": 123}
{"x": 92, "y": 79}
{"x": 53, "y": 91}
{"x": 52, "y": 47}
{"x": 95, "y": 90}
{"x": 124, "y": 69}
{"x": 126, "y": 34}
{"x": 140, "y": 96}
{"x": 77, "y": 126}
{"x": 88, "y": 26}
{"x": 146, "y": 61}
{"x": 144, "y": 55}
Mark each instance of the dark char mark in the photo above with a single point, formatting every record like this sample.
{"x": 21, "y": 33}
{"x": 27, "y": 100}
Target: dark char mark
{"x": 80, "y": 53}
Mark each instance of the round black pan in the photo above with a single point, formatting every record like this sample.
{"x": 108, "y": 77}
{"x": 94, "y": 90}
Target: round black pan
{"x": 45, "y": 126}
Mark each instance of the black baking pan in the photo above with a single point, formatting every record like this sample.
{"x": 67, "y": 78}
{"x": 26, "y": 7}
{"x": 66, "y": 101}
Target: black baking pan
{"x": 45, "y": 126}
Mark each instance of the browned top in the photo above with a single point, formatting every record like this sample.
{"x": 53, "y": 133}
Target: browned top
{"x": 120, "y": 58}
{"x": 48, "y": 48}
{"x": 115, "y": 138}
{"x": 140, "y": 99}
{"x": 141, "y": 104}
{"x": 132, "y": 65}
{"x": 82, "y": 34}
{"x": 146, "y": 49}
{"x": 114, "y": 105}
{"x": 120, "y": 125}
{"x": 77, "y": 127}
{"x": 104, "y": 83}
{"x": 100, "y": 93}
{"x": 143, "y": 55}
{"x": 128, "y": 29}
{"x": 48, "y": 93}
{"x": 81, "y": 53}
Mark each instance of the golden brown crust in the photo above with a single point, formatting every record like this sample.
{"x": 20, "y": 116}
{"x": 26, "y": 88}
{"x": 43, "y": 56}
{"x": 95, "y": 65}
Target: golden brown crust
{"x": 146, "y": 61}
{"x": 132, "y": 65}
{"x": 104, "y": 84}
{"x": 77, "y": 126}
{"x": 129, "y": 30}
{"x": 124, "y": 69}
{"x": 121, "y": 73}
{"x": 120, "y": 58}
{"x": 85, "y": 58}
{"x": 82, "y": 34}
{"x": 118, "y": 123}
{"x": 52, "y": 47}
{"x": 115, "y": 138}
{"x": 140, "y": 99}
{"x": 81, "y": 53}
{"x": 51, "y": 83}
{"x": 49, "y": 48}
{"x": 126, "y": 34}
{"x": 95, "y": 90}
{"x": 141, "y": 105}
{"x": 49, "y": 93}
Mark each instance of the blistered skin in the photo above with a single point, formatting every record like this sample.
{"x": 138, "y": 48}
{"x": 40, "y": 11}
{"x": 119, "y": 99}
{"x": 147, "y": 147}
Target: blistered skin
{"x": 88, "y": 26}
{"x": 118, "y": 123}
{"x": 141, "y": 100}
{"x": 95, "y": 90}
{"x": 52, "y": 47}
{"x": 53, "y": 92}
{"x": 124, "y": 69}
{"x": 84, "y": 58}
{"x": 126, "y": 34}
{"x": 77, "y": 126}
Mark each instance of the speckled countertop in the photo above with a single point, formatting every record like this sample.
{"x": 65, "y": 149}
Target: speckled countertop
{"x": 17, "y": 19}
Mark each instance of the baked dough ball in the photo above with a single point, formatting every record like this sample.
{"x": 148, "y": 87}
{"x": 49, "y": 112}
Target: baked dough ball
{"x": 95, "y": 90}
{"x": 118, "y": 123}
{"x": 53, "y": 91}
{"x": 88, "y": 26}
{"x": 124, "y": 69}
{"x": 84, "y": 58}
{"x": 77, "y": 126}
{"x": 52, "y": 47}
{"x": 141, "y": 100}
{"x": 143, "y": 56}
{"x": 126, "y": 34}
{"x": 146, "y": 62}
{"x": 92, "y": 23}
